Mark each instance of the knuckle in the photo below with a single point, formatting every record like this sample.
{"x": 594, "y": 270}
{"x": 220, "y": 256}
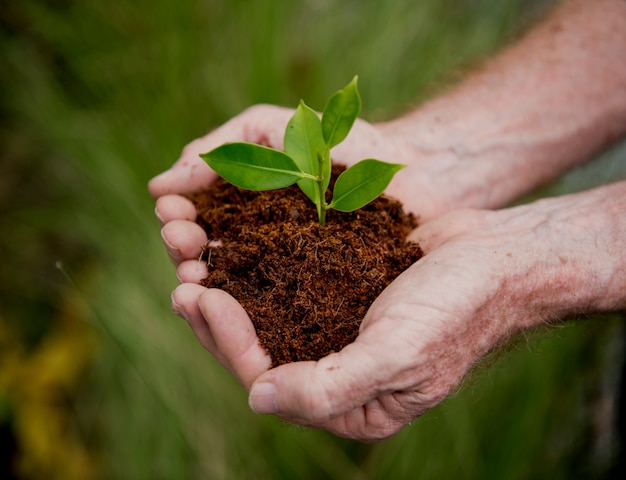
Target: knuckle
{"x": 316, "y": 408}
{"x": 193, "y": 147}
{"x": 259, "y": 109}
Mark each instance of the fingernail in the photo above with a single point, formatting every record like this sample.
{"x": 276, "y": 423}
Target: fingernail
{"x": 263, "y": 399}
{"x": 179, "y": 309}
{"x": 159, "y": 217}
{"x": 173, "y": 251}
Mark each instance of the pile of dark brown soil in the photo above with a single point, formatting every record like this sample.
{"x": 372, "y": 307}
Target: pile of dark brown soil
{"x": 305, "y": 287}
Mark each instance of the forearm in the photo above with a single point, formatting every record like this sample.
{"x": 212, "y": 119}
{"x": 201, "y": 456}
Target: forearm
{"x": 542, "y": 106}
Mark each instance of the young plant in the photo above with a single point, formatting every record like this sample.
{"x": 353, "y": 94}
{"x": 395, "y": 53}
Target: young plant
{"x": 306, "y": 161}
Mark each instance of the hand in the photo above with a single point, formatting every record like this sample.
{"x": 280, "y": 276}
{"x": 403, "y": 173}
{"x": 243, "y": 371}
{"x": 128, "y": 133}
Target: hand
{"x": 415, "y": 344}
{"x": 422, "y": 187}
{"x": 485, "y": 276}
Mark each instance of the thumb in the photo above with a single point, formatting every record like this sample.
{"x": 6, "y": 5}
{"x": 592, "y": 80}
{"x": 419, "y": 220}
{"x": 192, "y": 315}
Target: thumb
{"x": 312, "y": 393}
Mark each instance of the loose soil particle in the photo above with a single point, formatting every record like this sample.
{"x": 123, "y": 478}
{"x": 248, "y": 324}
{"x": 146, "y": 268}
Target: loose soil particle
{"x": 305, "y": 287}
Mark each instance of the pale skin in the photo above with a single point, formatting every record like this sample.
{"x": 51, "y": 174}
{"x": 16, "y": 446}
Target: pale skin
{"x": 537, "y": 109}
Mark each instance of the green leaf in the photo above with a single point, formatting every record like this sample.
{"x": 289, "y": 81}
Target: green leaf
{"x": 253, "y": 167}
{"x": 340, "y": 113}
{"x": 362, "y": 183}
{"x": 303, "y": 138}
{"x": 303, "y": 141}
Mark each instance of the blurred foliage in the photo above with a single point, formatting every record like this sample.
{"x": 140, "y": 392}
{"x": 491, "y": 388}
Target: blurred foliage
{"x": 38, "y": 387}
{"x": 97, "y": 377}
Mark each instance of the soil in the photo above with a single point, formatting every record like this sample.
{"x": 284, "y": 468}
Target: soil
{"x": 306, "y": 287}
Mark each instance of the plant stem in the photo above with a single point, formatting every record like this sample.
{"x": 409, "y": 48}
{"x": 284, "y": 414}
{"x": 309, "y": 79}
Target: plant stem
{"x": 322, "y": 206}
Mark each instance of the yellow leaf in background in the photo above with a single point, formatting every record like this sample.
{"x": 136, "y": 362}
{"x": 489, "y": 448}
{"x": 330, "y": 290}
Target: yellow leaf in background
{"x": 38, "y": 386}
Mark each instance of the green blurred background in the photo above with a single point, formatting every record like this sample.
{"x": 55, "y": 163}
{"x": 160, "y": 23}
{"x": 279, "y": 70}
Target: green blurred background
{"x": 98, "y": 379}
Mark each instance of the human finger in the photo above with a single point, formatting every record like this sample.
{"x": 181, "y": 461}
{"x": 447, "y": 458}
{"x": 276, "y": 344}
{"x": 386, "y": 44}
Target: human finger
{"x": 185, "y": 304}
{"x": 315, "y": 393}
{"x": 192, "y": 271}
{"x": 234, "y": 335}
{"x": 183, "y": 240}
{"x": 263, "y": 124}
{"x": 174, "y": 207}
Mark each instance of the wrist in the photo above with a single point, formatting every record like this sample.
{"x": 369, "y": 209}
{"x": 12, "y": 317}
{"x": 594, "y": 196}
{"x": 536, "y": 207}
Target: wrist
{"x": 472, "y": 162}
{"x": 573, "y": 263}
{"x": 480, "y": 156}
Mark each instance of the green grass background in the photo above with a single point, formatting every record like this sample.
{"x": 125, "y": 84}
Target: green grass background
{"x": 98, "y": 97}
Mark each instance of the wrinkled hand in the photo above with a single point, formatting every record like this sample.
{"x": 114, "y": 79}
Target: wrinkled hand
{"x": 485, "y": 275}
{"x": 422, "y": 186}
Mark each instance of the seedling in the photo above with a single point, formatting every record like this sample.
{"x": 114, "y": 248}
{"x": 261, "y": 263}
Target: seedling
{"x": 306, "y": 160}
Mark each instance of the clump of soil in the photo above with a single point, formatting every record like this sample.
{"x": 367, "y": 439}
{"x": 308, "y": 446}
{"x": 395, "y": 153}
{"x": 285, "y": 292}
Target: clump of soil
{"x": 305, "y": 287}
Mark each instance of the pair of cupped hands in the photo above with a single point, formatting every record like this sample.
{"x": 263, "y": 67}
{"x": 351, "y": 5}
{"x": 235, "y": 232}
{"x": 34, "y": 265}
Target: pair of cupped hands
{"x": 472, "y": 289}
